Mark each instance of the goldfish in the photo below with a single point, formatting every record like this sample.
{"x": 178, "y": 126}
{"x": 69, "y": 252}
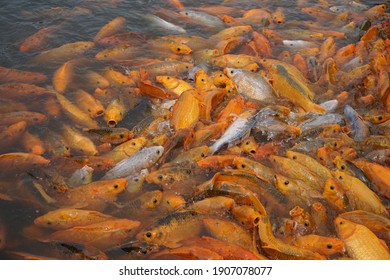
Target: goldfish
{"x": 276, "y": 249}
{"x": 12, "y": 75}
{"x": 185, "y": 112}
{"x": 229, "y": 231}
{"x": 102, "y": 235}
{"x": 12, "y": 133}
{"x": 21, "y": 90}
{"x": 93, "y": 196}
{"x": 21, "y": 161}
{"x": 63, "y": 53}
{"x": 77, "y": 141}
{"x": 215, "y": 204}
{"x": 74, "y": 112}
{"x": 117, "y": 78}
{"x": 260, "y": 170}
{"x": 323, "y": 245}
{"x": 360, "y": 242}
{"x": 377, "y": 174}
{"x": 115, "y": 135}
{"x": 359, "y": 195}
{"x": 37, "y": 41}
{"x": 335, "y": 195}
{"x": 110, "y": 28}
{"x": 63, "y": 76}
{"x": 115, "y": 112}
{"x": 65, "y": 218}
{"x": 126, "y": 149}
{"x": 174, "y": 84}
{"x": 170, "y": 230}
{"x": 246, "y": 215}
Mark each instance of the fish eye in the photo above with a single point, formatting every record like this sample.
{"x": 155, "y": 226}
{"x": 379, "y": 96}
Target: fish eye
{"x": 342, "y": 167}
{"x": 341, "y": 177}
{"x": 331, "y": 187}
{"x": 231, "y": 72}
{"x": 243, "y": 165}
{"x": 294, "y": 157}
{"x": 247, "y": 143}
{"x": 155, "y": 201}
{"x": 35, "y": 119}
{"x": 202, "y": 155}
{"x": 341, "y": 223}
{"x": 148, "y": 234}
{"x": 186, "y": 13}
{"x": 116, "y": 186}
{"x": 121, "y": 135}
{"x": 136, "y": 180}
{"x": 160, "y": 177}
{"x": 133, "y": 143}
{"x": 189, "y": 171}
{"x": 252, "y": 151}
{"x": 178, "y": 49}
{"x": 158, "y": 152}
{"x": 329, "y": 246}
{"x": 168, "y": 78}
{"x": 202, "y": 80}
{"x": 321, "y": 158}
{"x": 49, "y": 223}
{"x": 286, "y": 182}
{"x": 306, "y": 224}
{"x": 380, "y": 118}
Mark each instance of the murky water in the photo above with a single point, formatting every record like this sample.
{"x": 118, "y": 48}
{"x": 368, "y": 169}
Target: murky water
{"x": 21, "y": 202}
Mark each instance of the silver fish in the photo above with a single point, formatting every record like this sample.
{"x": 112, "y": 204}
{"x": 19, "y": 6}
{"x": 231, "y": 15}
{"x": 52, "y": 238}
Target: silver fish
{"x": 240, "y": 127}
{"x": 131, "y": 165}
{"x": 203, "y": 19}
{"x": 161, "y": 23}
{"x": 320, "y": 120}
{"x": 81, "y": 176}
{"x": 359, "y": 129}
{"x": 251, "y": 85}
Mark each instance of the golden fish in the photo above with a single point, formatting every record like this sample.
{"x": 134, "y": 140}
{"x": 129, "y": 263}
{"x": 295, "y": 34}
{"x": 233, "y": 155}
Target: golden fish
{"x": 37, "y": 41}
{"x": 174, "y": 84}
{"x": 65, "y": 218}
{"x": 185, "y": 112}
{"x": 87, "y": 103}
{"x": 75, "y": 113}
{"x": 359, "y": 194}
{"x": 102, "y": 235}
{"x": 212, "y": 205}
{"x": 276, "y": 249}
{"x": 117, "y": 78}
{"x": 21, "y": 161}
{"x": 77, "y": 141}
{"x": 335, "y": 195}
{"x": 12, "y": 133}
{"x": 115, "y": 112}
{"x": 110, "y": 28}
{"x": 246, "y": 215}
{"x": 126, "y": 149}
{"x": 21, "y": 91}
{"x": 12, "y": 75}
{"x": 172, "y": 229}
{"x": 321, "y": 244}
{"x": 360, "y": 242}
{"x": 63, "y": 76}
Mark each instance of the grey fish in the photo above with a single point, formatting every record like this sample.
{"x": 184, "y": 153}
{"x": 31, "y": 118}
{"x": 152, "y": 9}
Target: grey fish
{"x": 359, "y": 129}
{"x": 320, "y": 120}
{"x": 131, "y": 165}
{"x": 81, "y": 176}
{"x": 236, "y": 130}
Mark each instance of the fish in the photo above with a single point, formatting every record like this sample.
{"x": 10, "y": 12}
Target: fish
{"x": 163, "y": 24}
{"x": 93, "y": 196}
{"x": 359, "y": 130}
{"x": 145, "y": 158}
{"x": 215, "y": 204}
{"x": 335, "y": 195}
{"x": 172, "y": 229}
{"x": 204, "y": 19}
{"x": 21, "y": 161}
{"x": 323, "y": 245}
{"x": 277, "y": 249}
{"x": 110, "y": 28}
{"x": 359, "y": 194}
{"x": 246, "y": 215}
{"x": 75, "y": 113}
{"x": 115, "y": 112}
{"x": 77, "y": 141}
{"x": 360, "y": 242}
{"x": 126, "y": 149}
{"x": 236, "y": 130}
{"x": 63, "y": 76}
{"x": 229, "y": 231}
{"x": 81, "y": 176}
{"x": 63, "y": 53}
{"x": 13, "y": 75}
{"x": 251, "y": 85}
{"x": 377, "y": 174}
{"x": 12, "y": 133}
{"x": 113, "y": 135}
{"x": 102, "y": 235}
{"x": 260, "y": 170}
{"x": 185, "y": 112}
{"x": 66, "y": 218}
{"x": 21, "y": 90}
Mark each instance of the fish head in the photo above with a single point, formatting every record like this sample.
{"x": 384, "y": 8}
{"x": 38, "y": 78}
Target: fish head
{"x": 344, "y": 228}
{"x": 150, "y": 236}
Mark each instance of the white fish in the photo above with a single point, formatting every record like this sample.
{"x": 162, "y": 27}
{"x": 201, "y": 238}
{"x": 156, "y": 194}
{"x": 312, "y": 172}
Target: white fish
{"x": 299, "y": 44}
{"x": 359, "y": 129}
{"x": 81, "y": 176}
{"x": 236, "y": 130}
{"x": 159, "y": 22}
{"x": 135, "y": 181}
{"x": 320, "y": 120}
{"x": 131, "y": 165}
{"x": 251, "y": 85}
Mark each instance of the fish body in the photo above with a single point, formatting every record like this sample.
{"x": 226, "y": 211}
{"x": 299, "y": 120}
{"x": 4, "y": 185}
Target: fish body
{"x": 359, "y": 130}
{"x": 65, "y": 218}
{"x": 170, "y": 230}
{"x": 77, "y": 141}
{"x": 251, "y": 85}
{"x": 102, "y": 235}
{"x": 360, "y": 242}
{"x": 236, "y": 130}
{"x": 145, "y": 158}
